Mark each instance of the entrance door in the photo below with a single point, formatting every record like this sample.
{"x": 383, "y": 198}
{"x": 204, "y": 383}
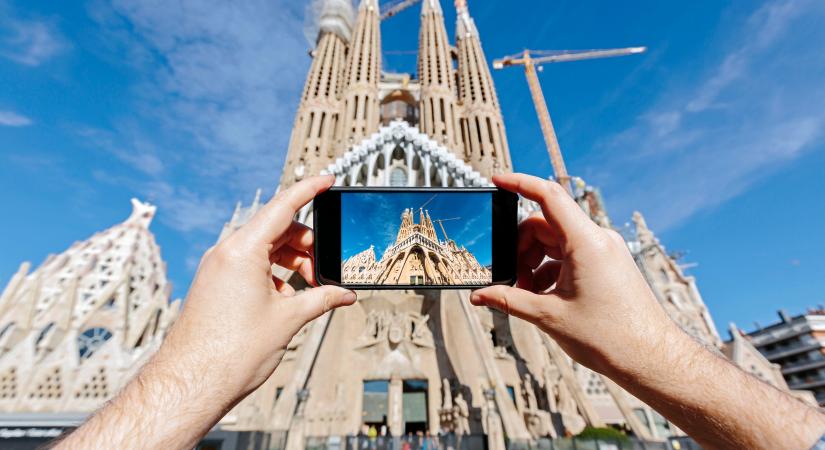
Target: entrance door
{"x": 415, "y": 406}
{"x": 374, "y": 411}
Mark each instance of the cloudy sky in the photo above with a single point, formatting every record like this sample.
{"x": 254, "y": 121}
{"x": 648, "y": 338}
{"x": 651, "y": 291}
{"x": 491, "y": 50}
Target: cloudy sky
{"x": 715, "y": 134}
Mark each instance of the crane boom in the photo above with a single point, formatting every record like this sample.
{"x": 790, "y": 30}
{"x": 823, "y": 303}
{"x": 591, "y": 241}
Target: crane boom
{"x": 529, "y": 62}
{"x": 441, "y": 224}
{"x": 396, "y": 7}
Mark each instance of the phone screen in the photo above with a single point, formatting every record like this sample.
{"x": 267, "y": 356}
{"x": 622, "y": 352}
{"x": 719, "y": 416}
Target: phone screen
{"x": 416, "y": 238}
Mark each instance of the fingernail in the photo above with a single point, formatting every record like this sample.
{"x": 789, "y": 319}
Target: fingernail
{"x": 475, "y": 298}
{"x": 349, "y": 297}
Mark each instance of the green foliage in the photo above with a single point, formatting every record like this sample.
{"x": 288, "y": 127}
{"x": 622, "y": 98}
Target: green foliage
{"x": 607, "y": 434}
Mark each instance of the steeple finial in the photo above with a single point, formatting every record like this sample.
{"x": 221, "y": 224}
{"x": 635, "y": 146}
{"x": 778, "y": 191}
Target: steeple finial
{"x": 142, "y": 213}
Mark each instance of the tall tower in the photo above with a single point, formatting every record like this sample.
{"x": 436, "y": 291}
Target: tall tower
{"x": 439, "y": 118}
{"x": 361, "y": 112}
{"x": 312, "y": 145}
{"x": 482, "y": 127}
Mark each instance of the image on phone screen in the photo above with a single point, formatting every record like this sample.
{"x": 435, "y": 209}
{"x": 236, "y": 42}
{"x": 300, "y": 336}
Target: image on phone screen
{"x": 416, "y": 238}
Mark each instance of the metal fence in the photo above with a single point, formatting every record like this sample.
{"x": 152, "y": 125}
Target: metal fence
{"x": 479, "y": 442}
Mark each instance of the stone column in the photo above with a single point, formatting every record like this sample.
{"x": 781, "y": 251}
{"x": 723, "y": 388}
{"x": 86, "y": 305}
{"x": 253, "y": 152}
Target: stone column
{"x": 395, "y": 414}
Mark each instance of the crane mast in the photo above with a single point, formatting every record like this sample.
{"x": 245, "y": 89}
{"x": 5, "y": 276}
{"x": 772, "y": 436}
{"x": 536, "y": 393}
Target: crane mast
{"x": 547, "y": 130}
{"x": 529, "y": 62}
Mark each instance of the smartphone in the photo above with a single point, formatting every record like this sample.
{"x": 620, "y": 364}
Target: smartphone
{"x": 415, "y": 238}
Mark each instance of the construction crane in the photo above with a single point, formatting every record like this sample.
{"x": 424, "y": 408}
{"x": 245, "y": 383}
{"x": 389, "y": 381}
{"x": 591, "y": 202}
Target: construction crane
{"x": 396, "y": 6}
{"x": 441, "y": 224}
{"x": 530, "y": 59}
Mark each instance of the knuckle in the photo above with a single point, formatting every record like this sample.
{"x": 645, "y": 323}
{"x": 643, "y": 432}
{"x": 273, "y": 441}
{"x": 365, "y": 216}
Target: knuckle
{"x": 615, "y": 236}
{"x": 554, "y": 188}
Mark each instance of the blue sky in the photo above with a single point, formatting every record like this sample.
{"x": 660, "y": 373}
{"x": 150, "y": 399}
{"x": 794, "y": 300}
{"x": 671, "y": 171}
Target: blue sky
{"x": 472, "y": 227}
{"x": 715, "y": 134}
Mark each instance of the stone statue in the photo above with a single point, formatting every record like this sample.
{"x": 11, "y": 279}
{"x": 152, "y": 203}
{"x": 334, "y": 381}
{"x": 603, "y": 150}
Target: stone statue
{"x": 447, "y": 395}
{"x": 538, "y": 422}
{"x": 462, "y": 415}
{"x": 571, "y": 419}
{"x": 491, "y": 422}
{"x": 529, "y": 393}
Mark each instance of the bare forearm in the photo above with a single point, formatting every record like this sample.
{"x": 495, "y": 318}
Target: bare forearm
{"x": 717, "y": 403}
{"x": 158, "y": 409}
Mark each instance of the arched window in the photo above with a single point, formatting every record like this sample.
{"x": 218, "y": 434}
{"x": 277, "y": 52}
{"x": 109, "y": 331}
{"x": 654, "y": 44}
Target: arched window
{"x": 8, "y": 327}
{"x": 398, "y": 177}
{"x": 39, "y": 342}
{"x": 91, "y": 340}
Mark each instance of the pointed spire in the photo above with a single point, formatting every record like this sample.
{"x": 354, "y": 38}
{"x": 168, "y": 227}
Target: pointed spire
{"x": 257, "y": 201}
{"x": 485, "y": 141}
{"x": 363, "y": 72}
{"x": 336, "y": 16}
{"x": 643, "y": 233}
{"x": 142, "y": 213}
{"x": 437, "y": 104}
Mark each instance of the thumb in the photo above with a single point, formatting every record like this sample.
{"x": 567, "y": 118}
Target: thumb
{"x": 523, "y": 304}
{"x": 312, "y": 303}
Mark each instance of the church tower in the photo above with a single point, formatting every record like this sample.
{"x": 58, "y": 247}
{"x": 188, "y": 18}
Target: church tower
{"x": 312, "y": 145}
{"x": 482, "y": 127}
{"x": 361, "y": 115}
{"x": 439, "y": 118}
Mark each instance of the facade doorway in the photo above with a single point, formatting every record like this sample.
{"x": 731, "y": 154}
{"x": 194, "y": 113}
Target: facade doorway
{"x": 414, "y": 395}
{"x": 376, "y": 399}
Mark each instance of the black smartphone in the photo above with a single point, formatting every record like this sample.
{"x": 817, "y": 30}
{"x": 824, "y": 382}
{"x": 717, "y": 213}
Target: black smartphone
{"x": 415, "y": 238}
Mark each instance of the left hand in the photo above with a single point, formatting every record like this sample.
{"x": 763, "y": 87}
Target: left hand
{"x": 238, "y": 318}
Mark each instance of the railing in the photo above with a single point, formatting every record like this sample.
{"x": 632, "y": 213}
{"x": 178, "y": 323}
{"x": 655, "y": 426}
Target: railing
{"x": 479, "y": 442}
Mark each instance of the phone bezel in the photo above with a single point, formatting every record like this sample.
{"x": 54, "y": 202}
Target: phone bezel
{"x": 327, "y": 246}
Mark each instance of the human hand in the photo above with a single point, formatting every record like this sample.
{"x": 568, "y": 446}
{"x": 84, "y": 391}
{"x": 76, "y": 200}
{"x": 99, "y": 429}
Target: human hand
{"x": 238, "y": 318}
{"x": 590, "y": 297}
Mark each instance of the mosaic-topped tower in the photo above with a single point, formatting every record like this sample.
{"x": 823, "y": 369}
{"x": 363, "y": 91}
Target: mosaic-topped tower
{"x": 315, "y": 134}
{"x": 482, "y": 126}
{"x": 363, "y": 73}
{"x": 436, "y": 75}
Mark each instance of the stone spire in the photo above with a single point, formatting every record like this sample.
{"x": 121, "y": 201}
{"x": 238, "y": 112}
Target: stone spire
{"x": 76, "y": 328}
{"x": 439, "y": 118}
{"x": 482, "y": 127}
{"x": 361, "y": 101}
{"x": 312, "y": 145}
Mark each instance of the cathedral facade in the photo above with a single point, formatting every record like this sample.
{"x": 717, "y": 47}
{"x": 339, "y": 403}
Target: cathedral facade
{"x": 411, "y": 361}
{"x": 416, "y": 257}
{"x": 76, "y": 329}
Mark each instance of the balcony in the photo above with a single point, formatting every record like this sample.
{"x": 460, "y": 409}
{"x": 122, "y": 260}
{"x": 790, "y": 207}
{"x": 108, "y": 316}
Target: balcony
{"x": 802, "y": 365}
{"x": 807, "y": 345}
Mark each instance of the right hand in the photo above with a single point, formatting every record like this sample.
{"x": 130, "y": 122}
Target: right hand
{"x": 590, "y": 297}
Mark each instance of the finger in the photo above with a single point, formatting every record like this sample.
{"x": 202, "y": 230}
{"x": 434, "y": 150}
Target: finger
{"x": 535, "y": 230}
{"x": 523, "y": 304}
{"x": 276, "y": 216}
{"x": 558, "y": 207}
{"x": 546, "y": 275}
{"x": 313, "y": 303}
{"x": 283, "y": 287}
{"x": 297, "y": 236}
{"x": 526, "y": 262}
{"x": 291, "y": 259}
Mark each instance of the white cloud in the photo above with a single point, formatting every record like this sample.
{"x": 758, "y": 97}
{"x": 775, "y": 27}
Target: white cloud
{"x": 185, "y": 210}
{"x": 13, "y": 119}
{"x": 218, "y": 86}
{"x": 131, "y": 147}
{"x": 753, "y": 112}
{"x": 28, "y": 42}
{"x": 226, "y": 74}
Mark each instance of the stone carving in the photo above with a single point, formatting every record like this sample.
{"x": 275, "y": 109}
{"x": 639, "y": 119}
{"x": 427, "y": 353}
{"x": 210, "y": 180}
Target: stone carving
{"x": 462, "y": 415}
{"x": 491, "y": 421}
{"x": 395, "y": 328}
{"x": 539, "y": 423}
{"x": 571, "y": 419}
